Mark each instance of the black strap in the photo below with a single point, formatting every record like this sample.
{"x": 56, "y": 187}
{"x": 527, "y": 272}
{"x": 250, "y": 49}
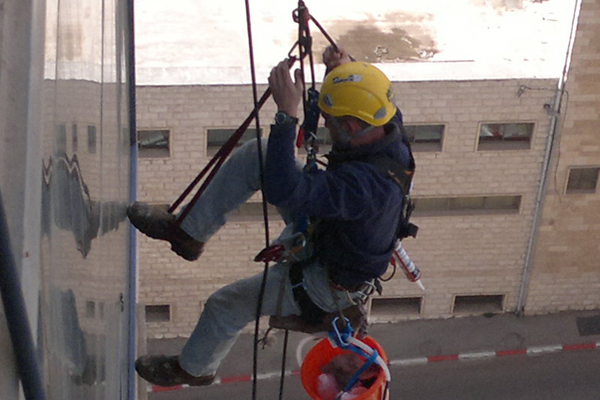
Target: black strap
{"x": 310, "y": 312}
{"x": 403, "y": 178}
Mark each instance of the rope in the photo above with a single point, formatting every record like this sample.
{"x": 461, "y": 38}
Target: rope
{"x": 304, "y": 45}
{"x": 283, "y": 358}
{"x": 264, "y": 206}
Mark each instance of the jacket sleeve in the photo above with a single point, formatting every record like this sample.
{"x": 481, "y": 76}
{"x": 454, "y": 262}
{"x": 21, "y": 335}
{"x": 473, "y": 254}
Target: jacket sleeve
{"x": 281, "y": 173}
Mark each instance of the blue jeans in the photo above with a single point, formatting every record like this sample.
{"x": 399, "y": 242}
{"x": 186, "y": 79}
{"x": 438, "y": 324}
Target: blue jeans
{"x": 232, "y": 307}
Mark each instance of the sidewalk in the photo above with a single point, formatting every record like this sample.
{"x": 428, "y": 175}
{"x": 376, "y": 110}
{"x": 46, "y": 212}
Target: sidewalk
{"x": 421, "y": 341}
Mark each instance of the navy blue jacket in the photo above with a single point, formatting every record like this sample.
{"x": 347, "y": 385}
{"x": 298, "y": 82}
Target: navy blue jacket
{"x": 357, "y": 205}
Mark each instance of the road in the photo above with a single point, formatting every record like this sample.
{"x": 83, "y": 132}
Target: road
{"x": 554, "y": 376}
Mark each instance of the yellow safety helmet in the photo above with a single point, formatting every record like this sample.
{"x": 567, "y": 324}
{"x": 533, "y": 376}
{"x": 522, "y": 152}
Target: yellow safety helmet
{"x": 358, "y": 89}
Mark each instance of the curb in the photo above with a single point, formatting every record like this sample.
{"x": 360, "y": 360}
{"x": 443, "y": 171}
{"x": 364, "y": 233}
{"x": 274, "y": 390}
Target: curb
{"x": 529, "y": 351}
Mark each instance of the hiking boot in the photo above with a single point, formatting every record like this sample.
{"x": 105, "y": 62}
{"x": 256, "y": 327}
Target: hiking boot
{"x": 166, "y": 371}
{"x": 156, "y": 222}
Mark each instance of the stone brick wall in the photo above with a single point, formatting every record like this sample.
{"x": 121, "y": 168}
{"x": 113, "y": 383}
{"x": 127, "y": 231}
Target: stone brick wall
{"x": 566, "y": 268}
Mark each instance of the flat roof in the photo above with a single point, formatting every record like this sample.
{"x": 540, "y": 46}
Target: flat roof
{"x": 198, "y": 42}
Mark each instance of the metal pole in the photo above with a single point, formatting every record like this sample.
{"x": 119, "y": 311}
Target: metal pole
{"x": 133, "y": 156}
{"x": 541, "y": 195}
{"x": 16, "y": 318}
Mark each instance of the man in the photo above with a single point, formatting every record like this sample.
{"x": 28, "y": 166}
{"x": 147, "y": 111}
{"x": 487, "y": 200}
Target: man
{"x": 354, "y": 206}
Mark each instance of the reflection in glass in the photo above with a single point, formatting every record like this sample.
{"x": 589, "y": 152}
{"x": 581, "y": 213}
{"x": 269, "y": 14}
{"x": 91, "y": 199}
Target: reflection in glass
{"x": 85, "y": 190}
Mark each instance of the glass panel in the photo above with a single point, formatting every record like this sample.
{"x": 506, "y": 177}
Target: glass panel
{"x": 505, "y": 136}
{"x": 85, "y": 189}
{"x": 425, "y": 137}
{"x": 517, "y": 131}
{"x": 218, "y": 137}
{"x": 582, "y": 180}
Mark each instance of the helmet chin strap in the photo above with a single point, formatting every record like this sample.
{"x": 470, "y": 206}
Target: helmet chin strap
{"x": 344, "y": 136}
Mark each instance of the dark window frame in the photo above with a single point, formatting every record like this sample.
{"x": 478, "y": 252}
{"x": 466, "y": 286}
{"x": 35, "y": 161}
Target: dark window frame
{"x": 579, "y": 180}
{"x": 158, "y": 313}
{"x": 422, "y": 144}
{"x": 74, "y": 138}
{"x": 467, "y": 205}
{"x": 498, "y": 140}
{"x": 389, "y": 307}
{"x": 478, "y": 303}
{"x": 154, "y": 143}
{"x": 214, "y": 144}
{"x": 92, "y": 139}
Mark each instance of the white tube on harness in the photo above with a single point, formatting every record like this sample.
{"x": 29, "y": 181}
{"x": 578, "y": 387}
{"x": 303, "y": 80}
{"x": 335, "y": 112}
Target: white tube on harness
{"x": 401, "y": 259}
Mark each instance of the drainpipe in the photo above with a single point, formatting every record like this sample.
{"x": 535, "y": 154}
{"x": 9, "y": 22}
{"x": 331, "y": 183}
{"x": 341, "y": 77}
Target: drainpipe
{"x": 133, "y": 157}
{"x": 554, "y": 111}
{"x": 16, "y": 318}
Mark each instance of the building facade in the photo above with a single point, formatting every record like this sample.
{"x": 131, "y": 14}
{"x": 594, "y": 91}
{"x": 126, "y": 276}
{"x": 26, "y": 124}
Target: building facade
{"x": 506, "y": 194}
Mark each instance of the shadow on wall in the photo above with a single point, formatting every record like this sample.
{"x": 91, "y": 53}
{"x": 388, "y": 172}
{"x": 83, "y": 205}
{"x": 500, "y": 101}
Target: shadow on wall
{"x": 66, "y": 197}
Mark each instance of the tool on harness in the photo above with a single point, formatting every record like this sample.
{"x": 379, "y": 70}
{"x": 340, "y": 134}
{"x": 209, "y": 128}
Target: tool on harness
{"x": 401, "y": 259}
{"x": 312, "y": 112}
{"x": 307, "y": 133}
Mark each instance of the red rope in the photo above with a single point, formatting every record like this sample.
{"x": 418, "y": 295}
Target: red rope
{"x": 302, "y": 16}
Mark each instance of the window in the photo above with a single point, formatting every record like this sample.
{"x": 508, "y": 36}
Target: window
{"x": 91, "y": 134}
{"x": 425, "y": 137}
{"x": 153, "y": 143}
{"x": 158, "y": 313}
{"x": 90, "y": 309}
{"x": 480, "y": 304}
{"x": 582, "y": 180}
{"x": 61, "y": 138}
{"x": 382, "y": 307}
{"x": 505, "y": 136}
{"x": 75, "y": 139}
{"x": 219, "y": 136}
{"x": 440, "y": 206}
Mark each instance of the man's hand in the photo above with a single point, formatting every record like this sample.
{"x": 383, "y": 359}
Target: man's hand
{"x": 286, "y": 93}
{"x": 333, "y": 58}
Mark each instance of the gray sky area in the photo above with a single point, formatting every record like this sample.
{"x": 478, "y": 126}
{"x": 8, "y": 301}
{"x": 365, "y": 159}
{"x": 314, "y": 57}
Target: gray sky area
{"x": 205, "y": 41}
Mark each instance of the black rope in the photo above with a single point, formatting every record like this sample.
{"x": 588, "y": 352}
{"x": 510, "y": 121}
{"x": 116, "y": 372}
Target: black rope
{"x": 304, "y": 45}
{"x": 283, "y": 359}
{"x": 264, "y": 205}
